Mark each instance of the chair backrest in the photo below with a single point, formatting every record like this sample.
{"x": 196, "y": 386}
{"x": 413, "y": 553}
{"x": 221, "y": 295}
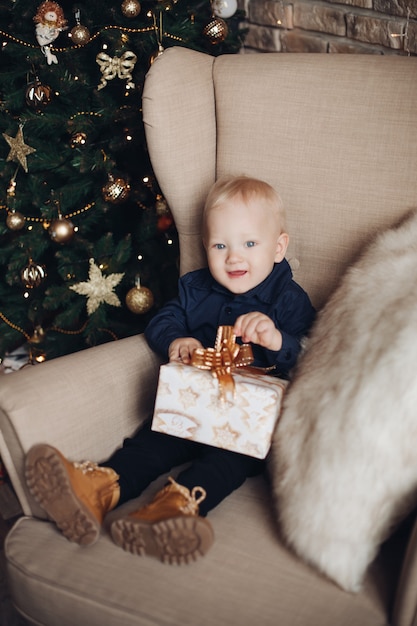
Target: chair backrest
{"x": 336, "y": 135}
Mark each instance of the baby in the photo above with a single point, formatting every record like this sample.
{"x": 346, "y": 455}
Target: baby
{"x": 248, "y": 285}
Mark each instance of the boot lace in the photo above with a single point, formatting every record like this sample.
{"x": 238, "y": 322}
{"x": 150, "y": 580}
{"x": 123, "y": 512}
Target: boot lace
{"x": 88, "y": 467}
{"x": 192, "y": 499}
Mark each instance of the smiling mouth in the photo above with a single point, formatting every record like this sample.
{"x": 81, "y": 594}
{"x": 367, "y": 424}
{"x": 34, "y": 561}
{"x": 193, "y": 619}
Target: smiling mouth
{"x": 237, "y": 273}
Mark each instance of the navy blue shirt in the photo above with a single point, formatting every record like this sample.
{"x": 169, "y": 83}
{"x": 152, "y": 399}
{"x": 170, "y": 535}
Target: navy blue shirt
{"x": 203, "y": 304}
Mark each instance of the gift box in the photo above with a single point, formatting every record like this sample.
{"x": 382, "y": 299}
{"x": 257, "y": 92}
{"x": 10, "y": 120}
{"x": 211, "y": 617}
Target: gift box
{"x": 223, "y": 405}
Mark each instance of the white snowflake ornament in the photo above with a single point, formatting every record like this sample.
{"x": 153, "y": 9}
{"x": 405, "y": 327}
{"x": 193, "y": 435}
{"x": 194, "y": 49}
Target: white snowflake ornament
{"x": 99, "y": 289}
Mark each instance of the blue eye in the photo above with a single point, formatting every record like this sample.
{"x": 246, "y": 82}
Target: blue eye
{"x": 250, "y": 244}
{"x": 219, "y": 246}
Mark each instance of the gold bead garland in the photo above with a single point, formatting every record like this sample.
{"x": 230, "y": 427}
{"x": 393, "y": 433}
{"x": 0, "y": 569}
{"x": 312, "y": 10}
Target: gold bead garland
{"x": 124, "y": 29}
{"x": 110, "y": 332}
{"x": 53, "y": 328}
{"x": 45, "y": 222}
{"x": 63, "y": 331}
{"x": 14, "y": 326}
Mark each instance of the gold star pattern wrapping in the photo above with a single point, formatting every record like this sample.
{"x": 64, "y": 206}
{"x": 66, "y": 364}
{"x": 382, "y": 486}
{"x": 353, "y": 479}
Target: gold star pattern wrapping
{"x": 19, "y": 150}
{"x": 98, "y": 288}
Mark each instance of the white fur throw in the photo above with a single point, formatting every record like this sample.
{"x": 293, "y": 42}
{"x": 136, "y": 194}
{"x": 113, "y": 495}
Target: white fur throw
{"x": 343, "y": 462}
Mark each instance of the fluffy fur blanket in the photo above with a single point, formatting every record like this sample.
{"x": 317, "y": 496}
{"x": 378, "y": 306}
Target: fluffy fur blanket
{"x": 343, "y": 462}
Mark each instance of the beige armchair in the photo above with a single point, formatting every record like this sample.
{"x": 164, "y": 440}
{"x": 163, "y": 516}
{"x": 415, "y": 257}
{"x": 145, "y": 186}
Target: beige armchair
{"x": 337, "y": 136}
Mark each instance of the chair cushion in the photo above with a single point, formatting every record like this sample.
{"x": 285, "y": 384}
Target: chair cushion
{"x": 247, "y": 577}
{"x": 343, "y": 460}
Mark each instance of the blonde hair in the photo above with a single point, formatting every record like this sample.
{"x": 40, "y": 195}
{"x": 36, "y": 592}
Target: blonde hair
{"x": 47, "y": 7}
{"x": 248, "y": 189}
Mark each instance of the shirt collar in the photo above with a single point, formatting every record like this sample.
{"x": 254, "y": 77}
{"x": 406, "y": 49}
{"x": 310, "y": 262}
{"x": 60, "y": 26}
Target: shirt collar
{"x": 268, "y": 289}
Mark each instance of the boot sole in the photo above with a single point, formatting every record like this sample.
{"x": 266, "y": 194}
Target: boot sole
{"x": 49, "y": 483}
{"x": 176, "y": 541}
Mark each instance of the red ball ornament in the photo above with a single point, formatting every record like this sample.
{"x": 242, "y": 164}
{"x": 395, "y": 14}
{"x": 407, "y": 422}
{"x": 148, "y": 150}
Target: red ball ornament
{"x": 164, "y": 222}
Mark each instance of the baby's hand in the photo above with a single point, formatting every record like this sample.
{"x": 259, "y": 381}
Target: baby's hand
{"x": 182, "y": 348}
{"x": 258, "y": 328}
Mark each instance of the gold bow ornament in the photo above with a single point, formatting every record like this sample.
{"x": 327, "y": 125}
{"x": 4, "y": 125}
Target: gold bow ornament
{"x": 122, "y": 67}
{"x": 226, "y": 356}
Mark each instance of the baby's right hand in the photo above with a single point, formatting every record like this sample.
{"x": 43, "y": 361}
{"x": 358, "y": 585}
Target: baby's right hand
{"x": 182, "y": 348}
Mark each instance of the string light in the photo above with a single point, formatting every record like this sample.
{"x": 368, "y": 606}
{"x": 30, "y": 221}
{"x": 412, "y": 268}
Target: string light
{"x": 91, "y": 113}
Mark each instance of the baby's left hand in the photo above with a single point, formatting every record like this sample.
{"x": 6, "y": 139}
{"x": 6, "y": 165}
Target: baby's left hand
{"x": 258, "y": 328}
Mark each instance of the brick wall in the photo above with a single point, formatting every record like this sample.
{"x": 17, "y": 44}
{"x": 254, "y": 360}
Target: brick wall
{"x": 344, "y": 26}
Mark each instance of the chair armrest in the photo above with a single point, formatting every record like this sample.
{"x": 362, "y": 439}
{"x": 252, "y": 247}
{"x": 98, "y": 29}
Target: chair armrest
{"x": 84, "y": 404}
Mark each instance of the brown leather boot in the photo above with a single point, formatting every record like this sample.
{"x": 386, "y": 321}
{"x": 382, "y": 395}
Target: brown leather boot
{"x": 76, "y": 496}
{"x": 168, "y": 528}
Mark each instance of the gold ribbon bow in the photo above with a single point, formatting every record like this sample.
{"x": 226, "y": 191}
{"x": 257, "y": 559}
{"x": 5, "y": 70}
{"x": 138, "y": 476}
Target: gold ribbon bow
{"x": 117, "y": 66}
{"x": 221, "y": 360}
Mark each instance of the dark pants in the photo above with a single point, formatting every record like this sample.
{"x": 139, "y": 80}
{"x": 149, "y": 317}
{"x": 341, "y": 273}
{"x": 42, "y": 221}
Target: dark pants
{"x": 148, "y": 454}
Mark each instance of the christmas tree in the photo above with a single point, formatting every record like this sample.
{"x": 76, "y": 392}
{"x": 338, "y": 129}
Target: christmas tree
{"x": 88, "y": 247}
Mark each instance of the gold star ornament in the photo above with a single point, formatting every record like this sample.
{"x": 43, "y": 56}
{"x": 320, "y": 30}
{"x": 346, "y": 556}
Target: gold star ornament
{"x": 19, "y": 150}
{"x": 98, "y": 288}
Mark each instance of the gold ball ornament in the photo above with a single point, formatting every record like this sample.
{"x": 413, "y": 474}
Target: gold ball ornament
{"x": 33, "y": 274}
{"x": 61, "y": 230}
{"x": 15, "y": 220}
{"x": 131, "y": 8}
{"x": 116, "y": 190}
{"x": 80, "y": 35}
{"x": 216, "y": 30}
{"x": 38, "y": 95}
{"x": 139, "y": 300}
